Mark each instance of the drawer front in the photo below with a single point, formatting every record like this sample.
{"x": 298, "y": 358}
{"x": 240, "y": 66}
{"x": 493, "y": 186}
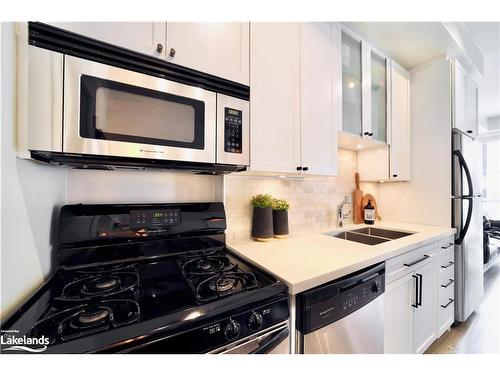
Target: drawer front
{"x": 405, "y": 263}
{"x": 447, "y": 278}
{"x": 447, "y": 261}
{"x": 446, "y": 245}
{"x": 446, "y": 309}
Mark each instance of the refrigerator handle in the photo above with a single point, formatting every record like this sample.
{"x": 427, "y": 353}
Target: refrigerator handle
{"x": 463, "y": 230}
{"x": 465, "y": 167}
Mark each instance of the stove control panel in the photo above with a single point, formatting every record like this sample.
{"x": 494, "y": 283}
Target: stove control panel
{"x": 255, "y": 321}
{"x": 243, "y": 324}
{"x": 154, "y": 218}
{"x": 232, "y": 330}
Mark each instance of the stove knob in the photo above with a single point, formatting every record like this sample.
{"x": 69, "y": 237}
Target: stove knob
{"x": 232, "y": 330}
{"x": 374, "y": 288}
{"x": 255, "y": 321}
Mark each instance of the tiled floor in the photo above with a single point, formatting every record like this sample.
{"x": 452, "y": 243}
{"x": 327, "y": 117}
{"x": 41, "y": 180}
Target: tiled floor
{"x": 481, "y": 332}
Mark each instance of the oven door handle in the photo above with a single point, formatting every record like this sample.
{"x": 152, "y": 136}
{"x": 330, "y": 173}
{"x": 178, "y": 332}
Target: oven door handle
{"x": 272, "y": 342}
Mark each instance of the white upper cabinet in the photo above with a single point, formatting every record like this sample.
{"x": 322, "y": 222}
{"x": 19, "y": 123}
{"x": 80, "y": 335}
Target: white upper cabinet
{"x": 321, "y": 96}
{"x": 399, "y": 129}
{"x": 365, "y": 73}
{"x": 275, "y": 97}
{"x": 144, "y": 37}
{"x": 376, "y": 122}
{"x": 465, "y": 115}
{"x": 220, "y": 49}
{"x": 295, "y": 99}
{"x": 352, "y": 112}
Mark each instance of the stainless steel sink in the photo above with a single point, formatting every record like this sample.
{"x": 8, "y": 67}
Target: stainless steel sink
{"x": 380, "y": 232}
{"x": 369, "y": 235}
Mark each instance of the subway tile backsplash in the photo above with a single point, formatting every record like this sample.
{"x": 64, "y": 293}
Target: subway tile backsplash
{"x": 313, "y": 199}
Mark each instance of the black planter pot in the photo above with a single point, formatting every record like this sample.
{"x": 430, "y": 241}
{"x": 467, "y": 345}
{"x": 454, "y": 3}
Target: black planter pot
{"x": 280, "y": 223}
{"x": 262, "y": 224}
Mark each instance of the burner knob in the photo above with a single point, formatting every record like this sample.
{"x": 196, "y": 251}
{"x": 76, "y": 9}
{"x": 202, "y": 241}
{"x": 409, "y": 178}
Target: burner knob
{"x": 232, "y": 330}
{"x": 374, "y": 288}
{"x": 255, "y": 321}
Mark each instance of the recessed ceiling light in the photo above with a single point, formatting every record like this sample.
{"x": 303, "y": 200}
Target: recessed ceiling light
{"x": 359, "y": 147}
{"x": 351, "y": 85}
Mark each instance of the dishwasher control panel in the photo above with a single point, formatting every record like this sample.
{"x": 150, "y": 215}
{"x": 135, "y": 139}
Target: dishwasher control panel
{"x": 333, "y": 301}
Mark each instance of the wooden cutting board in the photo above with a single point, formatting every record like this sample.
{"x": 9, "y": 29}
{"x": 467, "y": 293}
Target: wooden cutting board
{"x": 357, "y": 197}
{"x": 364, "y": 202}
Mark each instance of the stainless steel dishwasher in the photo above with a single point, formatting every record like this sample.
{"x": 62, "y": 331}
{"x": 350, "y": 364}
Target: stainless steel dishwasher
{"x": 343, "y": 316}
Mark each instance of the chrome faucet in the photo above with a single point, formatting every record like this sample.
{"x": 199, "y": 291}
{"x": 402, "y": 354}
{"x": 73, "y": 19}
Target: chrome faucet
{"x": 340, "y": 210}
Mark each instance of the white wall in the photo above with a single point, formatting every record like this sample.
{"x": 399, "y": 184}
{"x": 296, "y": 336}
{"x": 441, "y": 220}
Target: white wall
{"x": 29, "y": 194}
{"x": 426, "y": 198}
{"x": 86, "y": 186}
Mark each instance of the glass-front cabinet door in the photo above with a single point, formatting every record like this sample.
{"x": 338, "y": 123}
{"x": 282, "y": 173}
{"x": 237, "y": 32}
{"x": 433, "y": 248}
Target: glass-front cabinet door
{"x": 378, "y": 74}
{"x": 351, "y": 84}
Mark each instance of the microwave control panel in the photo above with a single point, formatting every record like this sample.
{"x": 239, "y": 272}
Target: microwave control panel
{"x": 232, "y": 130}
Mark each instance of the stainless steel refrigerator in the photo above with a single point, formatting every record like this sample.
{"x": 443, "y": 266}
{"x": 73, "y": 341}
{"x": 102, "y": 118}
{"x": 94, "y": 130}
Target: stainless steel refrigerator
{"x": 467, "y": 218}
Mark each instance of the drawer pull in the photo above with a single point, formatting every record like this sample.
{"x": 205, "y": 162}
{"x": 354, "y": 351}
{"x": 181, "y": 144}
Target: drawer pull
{"x": 417, "y": 261}
{"x": 447, "y": 247}
{"x": 448, "y": 304}
{"x": 451, "y": 263}
{"x": 447, "y": 284}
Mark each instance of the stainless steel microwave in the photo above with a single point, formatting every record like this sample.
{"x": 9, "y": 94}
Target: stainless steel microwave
{"x": 75, "y": 106}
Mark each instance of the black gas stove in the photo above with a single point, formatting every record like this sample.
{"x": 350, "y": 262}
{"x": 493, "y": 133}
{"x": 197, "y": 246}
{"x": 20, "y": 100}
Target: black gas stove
{"x": 154, "y": 278}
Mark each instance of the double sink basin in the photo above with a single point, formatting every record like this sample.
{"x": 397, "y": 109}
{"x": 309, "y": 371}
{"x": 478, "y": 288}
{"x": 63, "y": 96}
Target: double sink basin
{"x": 369, "y": 235}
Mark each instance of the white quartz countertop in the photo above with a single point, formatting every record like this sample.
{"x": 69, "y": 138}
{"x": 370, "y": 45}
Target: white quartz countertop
{"x": 304, "y": 261}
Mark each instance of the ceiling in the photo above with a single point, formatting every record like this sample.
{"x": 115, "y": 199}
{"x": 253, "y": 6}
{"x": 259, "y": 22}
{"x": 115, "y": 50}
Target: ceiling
{"x": 408, "y": 43}
{"x": 487, "y": 37}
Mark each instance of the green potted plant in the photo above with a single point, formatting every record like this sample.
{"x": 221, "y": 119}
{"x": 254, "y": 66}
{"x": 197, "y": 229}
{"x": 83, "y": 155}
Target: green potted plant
{"x": 280, "y": 218}
{"x": 262, "y": 220}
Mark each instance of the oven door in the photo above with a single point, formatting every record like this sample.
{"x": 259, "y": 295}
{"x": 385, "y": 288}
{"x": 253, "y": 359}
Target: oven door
{"x": 116, "y": 112}
{"x": 275, "y": 340}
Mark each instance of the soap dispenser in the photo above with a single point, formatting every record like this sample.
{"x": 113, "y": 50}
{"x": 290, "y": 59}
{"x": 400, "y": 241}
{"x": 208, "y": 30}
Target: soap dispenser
{"x": 369, "y": 213}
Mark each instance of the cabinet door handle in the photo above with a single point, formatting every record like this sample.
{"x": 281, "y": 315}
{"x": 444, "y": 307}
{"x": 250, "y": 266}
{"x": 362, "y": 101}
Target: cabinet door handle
{"x": 394, "y": 175}
{"x": 469, "y": 131}
{"x": 305, "y": 169}
{"x": 415, "y": 262}
{"x": 159, "y": 47}
{"x": 447, "y": 247}
{"x": 415, "y": 305}
{"x": 172, "y": 52}
{"x": 448, "y": 304}
{"x": 447, "y": 284}
{"x": 299, "y": 168}
{"x": 366, "y": 133}
{"x": 451, "y": 263}
{"x": 420, "y": 290}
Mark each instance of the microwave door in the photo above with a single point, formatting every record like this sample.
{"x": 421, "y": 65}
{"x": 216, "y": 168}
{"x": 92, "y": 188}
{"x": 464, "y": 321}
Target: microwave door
{"x": 114, "y": 112}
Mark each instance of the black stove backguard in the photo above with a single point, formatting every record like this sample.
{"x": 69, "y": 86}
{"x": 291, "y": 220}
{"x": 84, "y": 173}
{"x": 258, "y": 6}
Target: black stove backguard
{"x": 96, "y": 234}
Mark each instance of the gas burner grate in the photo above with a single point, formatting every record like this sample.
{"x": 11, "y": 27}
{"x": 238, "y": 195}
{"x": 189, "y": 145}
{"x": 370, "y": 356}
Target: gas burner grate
{"x": 225, "y": 284}
{"x": 86, "y": 319}
{"x": 207, "y": 265}
{"x": 103, "y": 285}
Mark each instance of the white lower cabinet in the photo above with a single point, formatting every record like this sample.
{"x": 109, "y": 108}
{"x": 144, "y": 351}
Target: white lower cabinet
{"x": 415, "y": 315}
{"x": 425, "y": 317}
{"x": 398, "y": 326}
